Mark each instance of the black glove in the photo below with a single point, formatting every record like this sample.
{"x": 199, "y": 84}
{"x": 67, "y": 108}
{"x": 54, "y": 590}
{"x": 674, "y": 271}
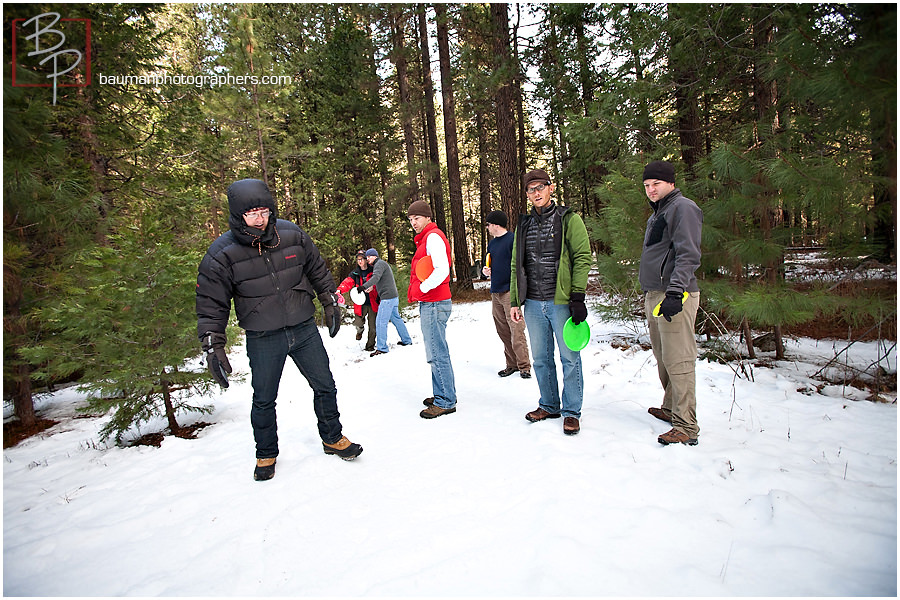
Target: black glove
{"x": 216, "y": 359}
{"x": 361, "y": 289}
{"x": 671, "y": 305}
{"x": 332, "y": 312}
{"x": 577, "y": 307}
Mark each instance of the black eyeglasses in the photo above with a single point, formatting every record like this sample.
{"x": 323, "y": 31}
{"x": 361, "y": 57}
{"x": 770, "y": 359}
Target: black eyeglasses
{"x": 537, "y": 188}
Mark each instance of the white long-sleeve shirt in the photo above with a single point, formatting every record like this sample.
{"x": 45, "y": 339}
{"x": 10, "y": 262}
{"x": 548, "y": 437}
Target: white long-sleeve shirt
{"x": 437, "y": 250}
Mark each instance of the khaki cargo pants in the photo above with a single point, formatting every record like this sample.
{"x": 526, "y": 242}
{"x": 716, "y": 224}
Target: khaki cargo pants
{"x": 675, "y": 349}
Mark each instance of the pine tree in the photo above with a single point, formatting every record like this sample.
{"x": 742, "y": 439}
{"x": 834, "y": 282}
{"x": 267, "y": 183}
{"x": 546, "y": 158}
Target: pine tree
{"x": 131, "y": 334}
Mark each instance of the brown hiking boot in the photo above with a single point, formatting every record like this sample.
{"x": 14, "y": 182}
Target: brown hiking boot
{"x": 660, "y": 414}
{"x": 428, "y": 401}
{"x": 265, "y": 469}
{"x": 571, "y": 426}
{"x": 434, "y": 411}
{"x": 343, "y": 448}
{"x": 673, "y": 436}
{"x": 540, "y": 414}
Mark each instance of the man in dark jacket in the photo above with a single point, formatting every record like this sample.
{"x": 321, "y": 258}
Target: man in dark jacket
{"x": 271, "y": 269}
{"x": 669, "y": 258}
{"x": 512, "y": 333}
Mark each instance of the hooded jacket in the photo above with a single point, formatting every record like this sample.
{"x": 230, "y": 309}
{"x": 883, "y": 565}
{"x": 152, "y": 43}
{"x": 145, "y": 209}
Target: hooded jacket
{"x": 671, "y": 251}
{"x": 271, "y": 275}
{"x": 573, "y": 252}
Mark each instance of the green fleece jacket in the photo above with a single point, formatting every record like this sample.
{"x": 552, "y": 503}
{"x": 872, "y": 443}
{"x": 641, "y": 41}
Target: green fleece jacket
{"x": 574, "y": 259}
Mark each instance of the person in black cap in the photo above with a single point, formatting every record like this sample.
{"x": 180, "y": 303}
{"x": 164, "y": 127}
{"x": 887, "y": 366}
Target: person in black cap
{"x": 388, "y": 310}
{"x": 365, "y": 312}
{"x": 670, "y": 256}
{"x": 551, "y": 260}
{"x": 512, "y": 333}
{"x": 271, "y": 269}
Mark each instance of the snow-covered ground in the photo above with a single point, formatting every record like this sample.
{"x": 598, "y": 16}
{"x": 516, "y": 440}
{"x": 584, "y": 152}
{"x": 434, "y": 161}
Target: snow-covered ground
{"x": 792, "y": 491}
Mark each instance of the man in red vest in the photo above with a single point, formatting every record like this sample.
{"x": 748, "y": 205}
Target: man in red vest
{"x": 431, "y": 289}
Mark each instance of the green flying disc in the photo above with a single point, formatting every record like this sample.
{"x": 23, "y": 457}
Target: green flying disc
{"x": 575, "y": 336}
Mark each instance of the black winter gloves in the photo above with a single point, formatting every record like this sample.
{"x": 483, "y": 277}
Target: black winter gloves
{"x": 671, "y": 305}
{"x": 332, "y": 312}
{"x": 216, "y": 359}
{"x": 577, "y": 307}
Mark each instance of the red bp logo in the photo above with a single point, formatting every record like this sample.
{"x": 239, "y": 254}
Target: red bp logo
{"x": 50, "y": 51}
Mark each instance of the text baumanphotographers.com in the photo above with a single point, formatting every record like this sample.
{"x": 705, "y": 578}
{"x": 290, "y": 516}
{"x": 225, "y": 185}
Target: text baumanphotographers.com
{"x": 199, "y": 81}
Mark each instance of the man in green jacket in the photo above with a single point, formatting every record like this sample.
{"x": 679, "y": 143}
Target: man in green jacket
{"x": 551, "y": 259}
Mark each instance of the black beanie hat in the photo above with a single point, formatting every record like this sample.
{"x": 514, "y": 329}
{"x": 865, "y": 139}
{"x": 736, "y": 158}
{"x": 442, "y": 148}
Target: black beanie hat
{"x": 660, "y": 169}
{"x": 497, "y": 217}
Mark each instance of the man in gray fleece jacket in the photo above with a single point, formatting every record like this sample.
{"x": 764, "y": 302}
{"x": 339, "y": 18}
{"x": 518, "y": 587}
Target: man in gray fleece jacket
{"x": 389, "y": 303}
{"x": 670, "y": 256}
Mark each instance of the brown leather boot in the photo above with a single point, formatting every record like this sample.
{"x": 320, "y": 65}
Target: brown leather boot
{"x": 343, "y": 448}
{"x": 540, "y": 414}
{"x": 660, "y": 414}
{"x": 673, "y": 436}
{"x": 571, "y": 426}
{"x": 434, "y": 411}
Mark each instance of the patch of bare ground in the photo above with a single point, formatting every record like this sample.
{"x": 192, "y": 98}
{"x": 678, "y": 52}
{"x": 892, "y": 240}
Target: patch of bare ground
{"x": 188, "y": 432}
{"x": 14, "y": 431}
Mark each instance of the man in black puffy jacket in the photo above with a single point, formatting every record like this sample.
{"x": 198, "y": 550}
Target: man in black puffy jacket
{"x": 271, "y": 269}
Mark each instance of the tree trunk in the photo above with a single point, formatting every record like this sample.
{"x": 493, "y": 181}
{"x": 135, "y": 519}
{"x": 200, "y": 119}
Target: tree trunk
{"x": 875, "y": 26}
{"x": 685, "y": 78}
{"x": 16, "y": 332}
{"x": 388, "y": 210}
{"x": 779, "y": 343}
{"x": 437, "y": 191}
{"x": 406, "y": 111}
{"x": 557, "y": 118}
{"x": 254, "y": 98}
{"x": 748, "y": 337}
{"x": 510, "y": 194}
{"x": 645, "y": 133}
{"x": 520, "y": 104}
{"x": 167, "y": 401}
{"x": 484, "y": 180}
{"x": 765, "y": 94}
{"x": 23, "y": 403}
{"x": 454, "y": 181}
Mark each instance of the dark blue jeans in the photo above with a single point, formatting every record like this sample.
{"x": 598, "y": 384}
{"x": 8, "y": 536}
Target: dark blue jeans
{"x": 268, "y": 351}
